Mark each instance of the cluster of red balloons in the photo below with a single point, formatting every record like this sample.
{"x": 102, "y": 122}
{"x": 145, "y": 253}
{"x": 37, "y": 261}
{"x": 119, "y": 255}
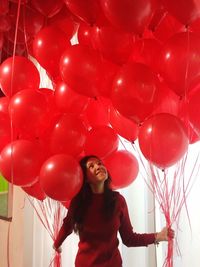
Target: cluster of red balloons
{"x": 118, "y": 68}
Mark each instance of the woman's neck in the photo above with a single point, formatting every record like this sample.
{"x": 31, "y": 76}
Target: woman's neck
{"x": 97, "y": 188}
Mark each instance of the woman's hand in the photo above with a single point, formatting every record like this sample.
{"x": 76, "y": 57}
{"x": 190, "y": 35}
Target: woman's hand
{"x": 164, "y": 235}
{"x": 58, "y": 250}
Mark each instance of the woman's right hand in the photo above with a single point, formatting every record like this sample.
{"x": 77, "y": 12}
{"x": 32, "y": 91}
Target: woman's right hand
{"x": 58, "y": 250}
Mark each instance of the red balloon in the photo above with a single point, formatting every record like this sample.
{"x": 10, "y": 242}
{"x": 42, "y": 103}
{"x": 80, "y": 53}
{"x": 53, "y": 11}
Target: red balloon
{"x": 84, "y": 34}
{"x": 101, "y": 141}
{"x": 5, "y": 130}
{"x": 67, "y": 100}
{"x": 68, "y": 135}
{"x": 61, "y": 177}
{"x": 193, "y": 134}
{"x": 20, "y": 162}
{"x": 123, "y": 126}
{"x": 66, "y": 204}
{"x": 167, "y": 101}
{"x": 108, "y": 72}
{"x": 20, "y": 48}
{"x": 16, "y": 1}
{"x": 35, "y": 191}
{"x": 48, "y": 8}
{"x": 114, "y": 45}
{"x": 30, "y": 20}
{"x": 28, "y": 109}
{"x": 4, "y": 103}
{"x": 130, "y": 16}
{"x": 134, "y": 92}
{"x": 195, "y": 26}
{"x": 18, "y": 73}
{"x": 163, "y": 140}
{"x": 167, "y": 27}
{"x": 87, "y": 10}
{"x": 123, "y": 168}
{"x": 146, "y": 51}
{"x": 64, "y": 21}
{"x": 5, "y": 23}
{"x": 158, "y": 16}
{"x": 193, "y": 109}
{"x": 185, "y": 11}
{"x": 50, "y": 41}
{"x": 81, "y": 69}
{"x": 180, "y": 62}
{"x": 1, "y": 40}
{"x": 4, "y": 7}
{"x": 96, "y": 113}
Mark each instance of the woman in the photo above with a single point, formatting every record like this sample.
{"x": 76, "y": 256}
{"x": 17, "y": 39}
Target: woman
{"x": 97, "y": 214}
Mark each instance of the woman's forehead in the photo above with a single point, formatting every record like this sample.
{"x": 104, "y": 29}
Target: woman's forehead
{"x": 93, "y": 160}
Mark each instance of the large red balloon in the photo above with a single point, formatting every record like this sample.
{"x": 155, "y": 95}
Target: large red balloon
{"x": 30, "y": 20}
{"x": 123, "y": 168}
{"x": 67, "y": 100}
{"x": 4, "y": 7}
{"x": 163, "y": 140}
{"x": 5, "y": 23}
{"x": 28, "y": 109}
{"x": 68, "y": 135}
{"x": 180, "y": 61}
{"x": 167, "y": 27}
{"x": 81, "y": 69}
{"x": 123, "y": 126}
{"x": 193, "y": 108}
{"x": 185, "y": 11}
{"x": 20, "y": 162}
{"x": 108, "y": 72}
{"x": 61, "y": 177}
{"x": 101, "y": 141}
{"x": 130, "y": 16}
{"x": 18, "y": 73}
{"x": 187, "y": 114}
{"x": 84, "y": 34}
{"x": 96, "y": 113}
{"x": 114, "y": 45}
{"x": 87, "y": 10}
{"x": 134, "y": 91}
{"x": 48, "y": 8}
{"x": 146, "y": 51}
{"x": 4, "y": 103}
{"x": 35, "y": 191}
{"x": 167, "y": 101}
{"x": 48, "y": 46}
{"x": 64, "y": 21}
{"x": 7, "y": 133}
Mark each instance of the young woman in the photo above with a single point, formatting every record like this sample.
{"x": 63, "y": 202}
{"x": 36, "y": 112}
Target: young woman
{"x": 97, "y": 214}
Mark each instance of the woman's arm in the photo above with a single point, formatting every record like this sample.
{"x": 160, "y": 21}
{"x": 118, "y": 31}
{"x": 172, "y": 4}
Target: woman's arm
{"x": 132, "y": 239}
{"x": 65, "y": 230}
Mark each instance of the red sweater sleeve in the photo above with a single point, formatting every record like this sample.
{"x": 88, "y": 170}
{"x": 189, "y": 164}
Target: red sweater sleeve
{"x": 65, "y": 230}
{"x": 130, "y": 238}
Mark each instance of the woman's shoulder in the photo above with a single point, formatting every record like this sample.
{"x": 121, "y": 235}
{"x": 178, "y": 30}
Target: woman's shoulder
{"x": 120, "y": 198}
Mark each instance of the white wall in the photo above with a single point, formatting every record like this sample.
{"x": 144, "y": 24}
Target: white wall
{"x": 11, "y": 234}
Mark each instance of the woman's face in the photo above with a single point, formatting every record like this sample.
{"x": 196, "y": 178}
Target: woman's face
{"x": 96, "y": 171}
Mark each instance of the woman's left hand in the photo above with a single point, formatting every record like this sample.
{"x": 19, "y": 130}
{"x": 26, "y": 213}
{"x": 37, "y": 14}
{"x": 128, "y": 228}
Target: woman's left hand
{"x": 165, "y": 234}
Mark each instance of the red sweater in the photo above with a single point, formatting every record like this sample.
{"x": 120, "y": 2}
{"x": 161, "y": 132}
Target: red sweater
{"x": 98, "y": 245}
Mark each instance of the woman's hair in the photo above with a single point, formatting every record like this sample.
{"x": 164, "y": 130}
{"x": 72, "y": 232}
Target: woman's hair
{"x": 82, "y": 200}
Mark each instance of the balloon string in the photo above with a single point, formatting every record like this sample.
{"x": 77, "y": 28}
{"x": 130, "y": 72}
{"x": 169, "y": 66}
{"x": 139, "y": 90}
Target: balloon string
{"x": 51, "y": 214}
{"x": 170, "y": 190}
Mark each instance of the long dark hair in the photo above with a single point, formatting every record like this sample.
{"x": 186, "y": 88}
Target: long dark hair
{"x": 82, "y": 200}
